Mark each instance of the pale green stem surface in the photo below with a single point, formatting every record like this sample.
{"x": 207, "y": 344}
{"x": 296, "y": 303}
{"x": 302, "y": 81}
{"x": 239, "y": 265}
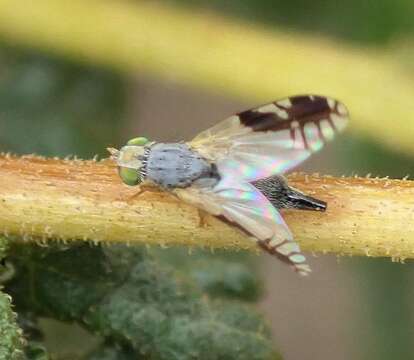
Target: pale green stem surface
{"x": 43, "y": 199}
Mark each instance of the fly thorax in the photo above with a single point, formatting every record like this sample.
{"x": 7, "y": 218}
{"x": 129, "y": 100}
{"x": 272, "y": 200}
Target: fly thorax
{"x": 176, "y": 165}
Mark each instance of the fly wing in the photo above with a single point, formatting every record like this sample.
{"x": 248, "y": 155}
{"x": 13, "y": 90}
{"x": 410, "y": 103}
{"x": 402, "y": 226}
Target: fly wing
{"x": 272, "y": 138}
{"x": 243, "y": 205}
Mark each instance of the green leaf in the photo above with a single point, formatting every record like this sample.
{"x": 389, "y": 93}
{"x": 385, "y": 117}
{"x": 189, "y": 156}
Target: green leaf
{"x": 221, "y": 274}
{"x": 113, "y": 351}
{"x": 36, "y": 351}
{"x": 121, "y": 293}
{"x": 11, "y": 338}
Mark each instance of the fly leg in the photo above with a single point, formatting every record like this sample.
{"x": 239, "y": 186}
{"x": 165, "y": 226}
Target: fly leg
{"x": 143, "y": 188}
{"x": 202, "y": 218}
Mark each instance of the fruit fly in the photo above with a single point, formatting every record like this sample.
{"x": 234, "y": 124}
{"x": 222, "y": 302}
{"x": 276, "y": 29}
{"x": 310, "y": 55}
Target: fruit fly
{"x": 233, "y": 170}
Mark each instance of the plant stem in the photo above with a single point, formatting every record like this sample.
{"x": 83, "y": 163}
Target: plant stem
{"x": 43, "y": 199}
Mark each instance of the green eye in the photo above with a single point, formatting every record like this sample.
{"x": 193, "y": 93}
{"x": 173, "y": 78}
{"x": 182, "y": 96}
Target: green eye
{"x": 139, "y": 141}
{"x": 130, "y": 177}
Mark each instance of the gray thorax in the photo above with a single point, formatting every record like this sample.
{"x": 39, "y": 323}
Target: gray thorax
{"x": 176, "y": 165}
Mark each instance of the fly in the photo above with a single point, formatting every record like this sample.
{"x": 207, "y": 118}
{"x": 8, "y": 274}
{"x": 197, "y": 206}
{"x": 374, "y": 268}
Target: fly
{"x": 233, "y": 170}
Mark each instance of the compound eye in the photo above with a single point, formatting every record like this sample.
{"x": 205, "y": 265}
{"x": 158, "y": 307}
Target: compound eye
{"x": 130, "y": 177}
{"x": 138, "y": 141}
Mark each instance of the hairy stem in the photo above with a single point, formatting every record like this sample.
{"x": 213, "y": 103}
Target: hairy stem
{"x": 42, "y": 199}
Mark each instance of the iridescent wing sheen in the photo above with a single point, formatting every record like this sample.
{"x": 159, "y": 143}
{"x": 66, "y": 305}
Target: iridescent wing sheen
{"x": 243, "y": 205}
{"x": 272, "y": 138}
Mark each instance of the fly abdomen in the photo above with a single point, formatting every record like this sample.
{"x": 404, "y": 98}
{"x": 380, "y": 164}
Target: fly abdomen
{"x": 282, "y": 196}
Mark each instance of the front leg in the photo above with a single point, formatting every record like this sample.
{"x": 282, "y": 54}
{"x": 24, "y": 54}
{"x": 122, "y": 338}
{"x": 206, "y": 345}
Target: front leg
{"x": 145, "y": 186}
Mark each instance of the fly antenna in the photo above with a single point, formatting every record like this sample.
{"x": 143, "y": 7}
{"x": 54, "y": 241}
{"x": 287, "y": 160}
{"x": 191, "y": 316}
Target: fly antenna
{"x": 114, "y": 153}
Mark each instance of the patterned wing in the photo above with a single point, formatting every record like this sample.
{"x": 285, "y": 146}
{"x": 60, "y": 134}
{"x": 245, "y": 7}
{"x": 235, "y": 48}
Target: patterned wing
{"x": 272, "y": 138}
{"x": 243, "y": 205}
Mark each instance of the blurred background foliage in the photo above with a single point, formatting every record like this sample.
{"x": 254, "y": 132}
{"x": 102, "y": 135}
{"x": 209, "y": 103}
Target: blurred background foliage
{"x": 58, "y": 108}
{"x": 365, "y": 22}
{"x": 147, "y": 301}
